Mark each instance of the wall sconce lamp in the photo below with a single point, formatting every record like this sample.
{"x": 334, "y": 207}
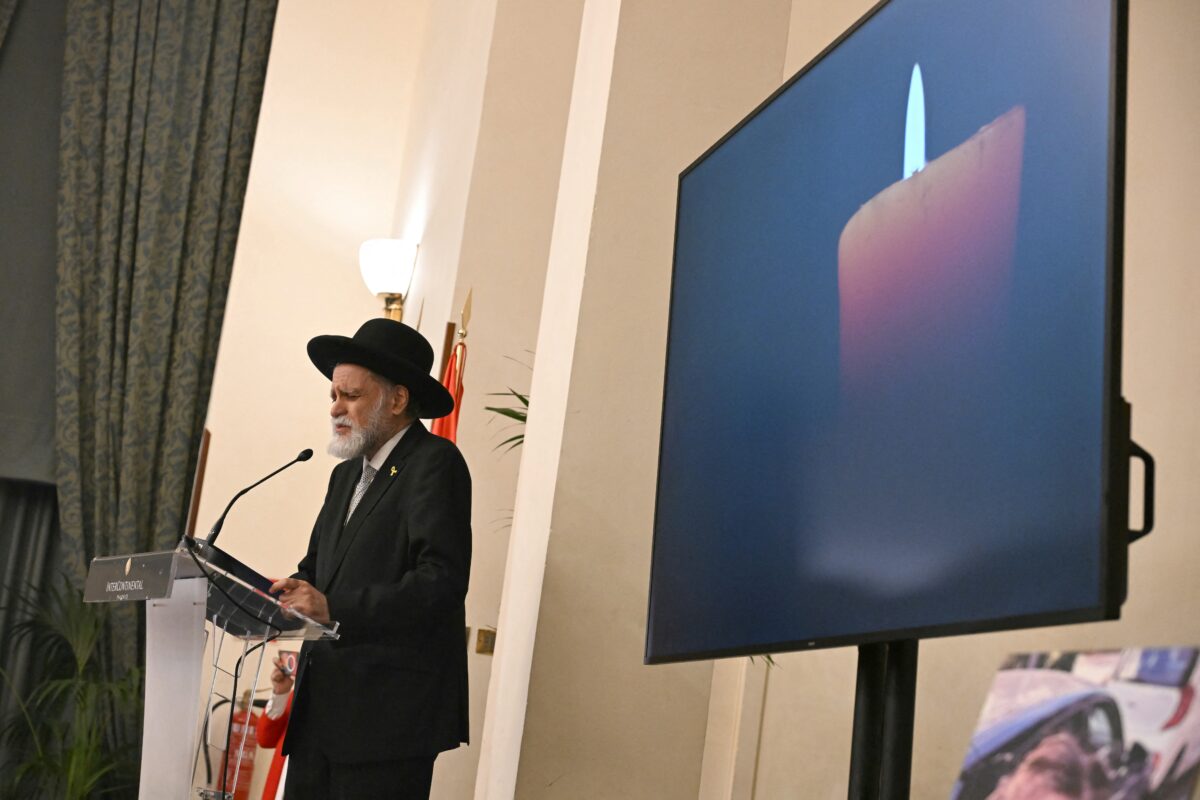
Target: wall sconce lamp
{"x": 387, "y": 268}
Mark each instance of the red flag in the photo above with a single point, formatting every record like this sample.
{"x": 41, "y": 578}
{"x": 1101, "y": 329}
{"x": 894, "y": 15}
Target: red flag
{"x": 452, "y": 379}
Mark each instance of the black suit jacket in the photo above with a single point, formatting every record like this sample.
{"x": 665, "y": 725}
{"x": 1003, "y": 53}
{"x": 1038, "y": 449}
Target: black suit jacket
{"x": 395, "y": 684}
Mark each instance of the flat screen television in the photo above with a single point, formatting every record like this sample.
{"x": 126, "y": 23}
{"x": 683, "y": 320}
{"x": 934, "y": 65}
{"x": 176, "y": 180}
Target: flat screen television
{"x": 892, "y": 400}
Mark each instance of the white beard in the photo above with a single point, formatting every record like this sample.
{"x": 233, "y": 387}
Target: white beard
{"x": 361, "y": 440}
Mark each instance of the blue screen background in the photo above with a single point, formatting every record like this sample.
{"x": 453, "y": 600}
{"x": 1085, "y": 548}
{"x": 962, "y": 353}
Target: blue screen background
{"x": 782, "y": 517}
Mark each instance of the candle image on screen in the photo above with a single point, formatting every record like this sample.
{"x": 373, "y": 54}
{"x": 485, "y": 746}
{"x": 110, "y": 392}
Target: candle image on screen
{"x": 924, "y": 273}
{"x": 924, "y": 266}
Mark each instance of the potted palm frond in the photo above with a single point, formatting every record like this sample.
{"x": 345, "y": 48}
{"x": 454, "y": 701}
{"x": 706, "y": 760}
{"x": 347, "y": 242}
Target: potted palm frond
{"x": 59, "y": 739}
{"x": 518, "y": 411}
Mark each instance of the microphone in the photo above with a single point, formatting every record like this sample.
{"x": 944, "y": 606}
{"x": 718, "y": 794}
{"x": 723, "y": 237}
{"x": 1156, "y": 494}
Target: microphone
{"x": 304, "y": 455}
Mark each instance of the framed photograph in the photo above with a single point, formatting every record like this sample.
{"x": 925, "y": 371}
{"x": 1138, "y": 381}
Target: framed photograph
{"x": 1109, "y": 725}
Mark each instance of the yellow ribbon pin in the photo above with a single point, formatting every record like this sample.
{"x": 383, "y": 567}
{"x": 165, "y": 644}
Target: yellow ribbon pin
{"x": 393, "y": 472}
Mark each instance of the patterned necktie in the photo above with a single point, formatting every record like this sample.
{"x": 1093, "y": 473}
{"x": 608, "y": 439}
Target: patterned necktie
{"x": 361, "y": 488}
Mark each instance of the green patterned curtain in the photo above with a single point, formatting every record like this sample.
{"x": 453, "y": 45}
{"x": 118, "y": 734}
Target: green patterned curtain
{"x": 160, "y": 104}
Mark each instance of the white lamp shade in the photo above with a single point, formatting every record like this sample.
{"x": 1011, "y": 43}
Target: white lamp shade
{"x": 387, "y": 265}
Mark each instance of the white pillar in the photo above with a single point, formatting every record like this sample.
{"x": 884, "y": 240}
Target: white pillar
{"x": 508, "y": 688}
{"x": 572, "y": 712}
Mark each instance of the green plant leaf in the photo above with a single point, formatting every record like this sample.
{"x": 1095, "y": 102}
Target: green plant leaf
{"x": 63, "y": 744}
{"x": 511, "y": 413}
{"x": 33, "y": 732}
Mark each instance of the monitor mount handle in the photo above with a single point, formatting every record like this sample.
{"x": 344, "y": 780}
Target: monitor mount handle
{"x": 1141, "y": 454}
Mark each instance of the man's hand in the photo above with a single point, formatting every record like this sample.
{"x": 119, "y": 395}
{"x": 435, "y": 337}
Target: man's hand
{"x": 298, "y": 595}
{"x": 281, "y": 679}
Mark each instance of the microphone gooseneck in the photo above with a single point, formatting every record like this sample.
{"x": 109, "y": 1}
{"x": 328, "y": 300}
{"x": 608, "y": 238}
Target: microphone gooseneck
{"x": 304, "y": 455}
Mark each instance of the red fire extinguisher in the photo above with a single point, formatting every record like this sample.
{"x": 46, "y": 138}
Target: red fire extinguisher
{"x": 245, "y": 722}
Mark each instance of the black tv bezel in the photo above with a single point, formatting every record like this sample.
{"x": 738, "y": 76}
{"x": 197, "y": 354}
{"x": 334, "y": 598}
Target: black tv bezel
{"x": 1115, "y": 449}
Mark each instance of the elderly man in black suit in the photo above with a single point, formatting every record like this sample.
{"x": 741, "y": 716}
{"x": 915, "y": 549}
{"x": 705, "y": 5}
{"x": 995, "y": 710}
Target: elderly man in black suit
{"x": 388, "y": 559}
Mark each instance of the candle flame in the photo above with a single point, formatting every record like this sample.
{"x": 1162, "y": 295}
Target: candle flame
{"x": 914, "y": 125}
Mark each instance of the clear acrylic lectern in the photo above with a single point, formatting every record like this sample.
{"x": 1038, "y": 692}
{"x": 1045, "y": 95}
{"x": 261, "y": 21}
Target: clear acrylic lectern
{"x": 196, "y": 595}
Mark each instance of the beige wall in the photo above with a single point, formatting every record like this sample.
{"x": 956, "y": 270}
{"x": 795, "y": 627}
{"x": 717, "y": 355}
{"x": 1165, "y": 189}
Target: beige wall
{"x": 439, "y": 155}
{"x": 806, "y": 720}
{"x": 323, "y": 178}
{"x": 441, "y": 122}
{"x": 525, "y": 562}
{"x": 598, "y": 722}
{"x": 814, "y": 25}
{"x": 505, "y": 244}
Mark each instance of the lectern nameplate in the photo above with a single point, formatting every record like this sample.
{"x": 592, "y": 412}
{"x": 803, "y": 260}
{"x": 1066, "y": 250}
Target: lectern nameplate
{"x": 141, "y": 576}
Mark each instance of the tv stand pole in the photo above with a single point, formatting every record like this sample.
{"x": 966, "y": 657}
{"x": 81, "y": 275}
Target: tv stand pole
{"x": 884, "y": 704}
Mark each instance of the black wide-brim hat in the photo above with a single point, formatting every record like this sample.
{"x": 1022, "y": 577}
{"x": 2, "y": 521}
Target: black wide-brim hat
{"x": 393, "y": 350}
